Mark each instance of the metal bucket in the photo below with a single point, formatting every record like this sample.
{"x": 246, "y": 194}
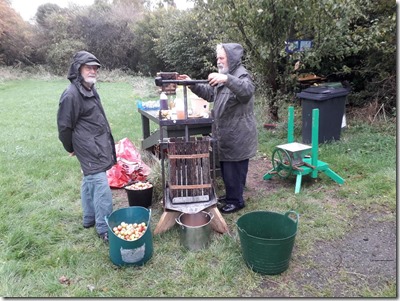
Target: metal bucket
{"x": 195, "y": 229}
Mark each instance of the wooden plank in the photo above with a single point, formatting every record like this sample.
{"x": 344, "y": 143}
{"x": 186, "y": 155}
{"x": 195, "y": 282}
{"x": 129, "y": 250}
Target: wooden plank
{"x": 189, "y": 151}
{"x": 206, "y": 165}
{"x": 182, "y": 149}
{"x": 198, "y": 177}
{"x": 166, "y": 222}
{"x": 217, "y": 223}
{"x": 190, "y": 167}
{"x": 172, "y": 177}
{"x": 189, "y": 186}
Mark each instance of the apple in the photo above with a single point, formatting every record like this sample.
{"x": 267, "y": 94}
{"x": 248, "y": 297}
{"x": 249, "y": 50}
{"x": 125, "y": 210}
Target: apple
{"x": 130, "y": 231}
{"x": 139, "y": 186}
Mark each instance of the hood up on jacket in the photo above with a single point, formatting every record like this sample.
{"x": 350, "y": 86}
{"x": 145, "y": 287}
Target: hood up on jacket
{"x": 234, "y": 53}
{"x": 80, "y": 58}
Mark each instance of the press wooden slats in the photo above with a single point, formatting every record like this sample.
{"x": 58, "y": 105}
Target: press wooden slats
{"x": 189, "y": 168}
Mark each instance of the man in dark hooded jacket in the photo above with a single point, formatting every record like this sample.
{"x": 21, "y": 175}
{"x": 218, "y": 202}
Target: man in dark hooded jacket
{"x": 235, "y": 128}
{"x": 85, "y": 132}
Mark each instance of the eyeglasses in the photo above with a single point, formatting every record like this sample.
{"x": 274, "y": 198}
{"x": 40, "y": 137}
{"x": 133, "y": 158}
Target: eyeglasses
{"x": 88, "y": 67}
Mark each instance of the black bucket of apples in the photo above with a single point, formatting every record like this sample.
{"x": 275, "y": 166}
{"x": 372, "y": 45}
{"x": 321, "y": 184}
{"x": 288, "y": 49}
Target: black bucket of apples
{"x": 139, "y": 193}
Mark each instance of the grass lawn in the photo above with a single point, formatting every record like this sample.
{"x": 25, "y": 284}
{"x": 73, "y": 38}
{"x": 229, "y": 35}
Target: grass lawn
{"x": 41, "y": 233}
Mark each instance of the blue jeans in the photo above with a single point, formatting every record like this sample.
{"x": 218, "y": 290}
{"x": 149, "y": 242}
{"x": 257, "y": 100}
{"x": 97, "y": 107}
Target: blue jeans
{"x": 234, "y": 175}
{"x": 96, "y": 199}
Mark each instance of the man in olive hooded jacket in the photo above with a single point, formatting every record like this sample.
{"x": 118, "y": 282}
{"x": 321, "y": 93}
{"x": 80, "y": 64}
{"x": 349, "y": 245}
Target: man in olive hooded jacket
{"x": 235, "y": 128}
{"x": 85, "y": 132}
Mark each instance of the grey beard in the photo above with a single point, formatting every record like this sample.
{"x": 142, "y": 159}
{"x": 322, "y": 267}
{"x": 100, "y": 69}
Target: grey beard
{"x": 223, "y": 70}
{"x": 90, "y": 80}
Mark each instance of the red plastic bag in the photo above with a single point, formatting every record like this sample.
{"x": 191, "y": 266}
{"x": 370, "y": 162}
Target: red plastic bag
{"x": 126, "y": 150}
{"x": 129, "y": 165}
{"x": 117, "y": 176}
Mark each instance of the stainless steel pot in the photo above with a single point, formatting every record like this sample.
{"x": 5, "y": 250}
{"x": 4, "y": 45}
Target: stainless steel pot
{"x": 195, "y": 229}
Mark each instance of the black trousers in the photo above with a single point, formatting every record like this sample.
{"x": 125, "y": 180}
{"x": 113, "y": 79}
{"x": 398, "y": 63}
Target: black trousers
{"x": 234, "y": 176}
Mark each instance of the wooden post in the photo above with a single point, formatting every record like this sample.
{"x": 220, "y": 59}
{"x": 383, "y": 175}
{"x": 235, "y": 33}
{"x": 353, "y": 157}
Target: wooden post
{"x": 167, "y": 221}
{"x": 218, "y": 223}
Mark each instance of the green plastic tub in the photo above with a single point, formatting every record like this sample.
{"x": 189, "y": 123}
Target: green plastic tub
{"x": 136, "y": 252}
{"x": 267, "y": 240}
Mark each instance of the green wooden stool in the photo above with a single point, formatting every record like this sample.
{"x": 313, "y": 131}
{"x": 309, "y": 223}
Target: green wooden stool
{"x": 291, "y": 158}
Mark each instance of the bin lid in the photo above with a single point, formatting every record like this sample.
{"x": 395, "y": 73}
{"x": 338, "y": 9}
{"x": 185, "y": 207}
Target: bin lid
{"x": 322, "y": 93}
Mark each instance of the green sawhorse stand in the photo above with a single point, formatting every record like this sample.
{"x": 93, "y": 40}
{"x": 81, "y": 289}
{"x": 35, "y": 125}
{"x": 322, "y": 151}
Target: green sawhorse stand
{"x": 289, "y": 158}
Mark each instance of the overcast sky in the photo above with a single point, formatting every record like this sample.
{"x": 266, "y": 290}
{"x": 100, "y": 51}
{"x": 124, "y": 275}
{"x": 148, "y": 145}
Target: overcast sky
{"x": 27, "y": 8}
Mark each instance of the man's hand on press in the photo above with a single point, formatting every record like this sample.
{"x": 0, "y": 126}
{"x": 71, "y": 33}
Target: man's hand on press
{"x": 217, "y": 78}
{"x": 213, "y": 78}
{"x": 184, "y": 77}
